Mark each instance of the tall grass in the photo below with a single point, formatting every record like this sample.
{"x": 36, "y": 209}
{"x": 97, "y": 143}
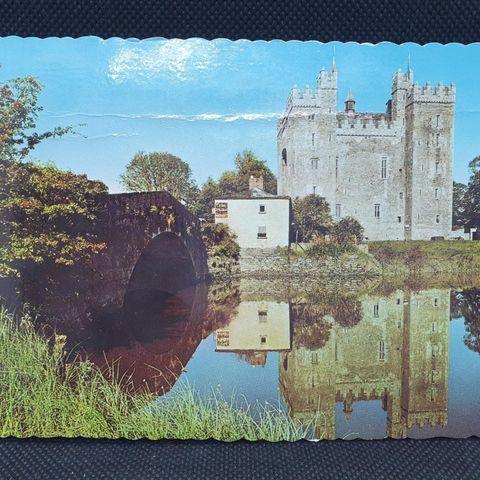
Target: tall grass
{"x": 43, "y": 395}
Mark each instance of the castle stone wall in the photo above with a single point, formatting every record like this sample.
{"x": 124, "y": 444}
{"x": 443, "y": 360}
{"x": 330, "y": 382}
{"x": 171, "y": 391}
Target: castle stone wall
{"x": 392, "y": 171}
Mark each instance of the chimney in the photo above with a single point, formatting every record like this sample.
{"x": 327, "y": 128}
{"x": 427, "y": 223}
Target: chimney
{"x": 255, "y": 182}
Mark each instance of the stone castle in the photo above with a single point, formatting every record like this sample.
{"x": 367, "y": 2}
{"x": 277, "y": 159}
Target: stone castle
{"x": 391, "y": 171}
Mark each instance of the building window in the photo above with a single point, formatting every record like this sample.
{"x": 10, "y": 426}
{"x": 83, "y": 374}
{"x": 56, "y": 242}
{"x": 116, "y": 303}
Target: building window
{"x": 384, "y": 168}
{"x": 437, "y": 218}
{"x": 434, "y": 328}
{"x": 398, "y": 301}
{"x": 435, "y": 302}
{"x": 399, "y": 218}
{"x": 313, "y": 139}
{"x": 221, "y": 210}
{"x": 262, "y": 232}
{"x": 436, "y": 193}
{"x": 377, "y": 210}
{"x": 284, "y": 156}
{"x": 314, "y": 189}
{"x": 336, "y": 167}
{"x": 338, "y": 210}
{"x": 314, "y": 357}
{"x": 261, "y": 209}
{"x": 401, "y": 195}
{"x": 438, "y": 121}
{"x": 381, "y": 350}
{"x": 437, "y": 166}
{"x": 263, "y": 339}
{"x": 375, "y": 311}
{"x": 315, "y": 163}
{"x": 262, "y": 316}
{"x": 438, "y": 139}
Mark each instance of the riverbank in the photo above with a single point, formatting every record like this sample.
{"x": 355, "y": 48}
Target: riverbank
{"x": 359, "y": 264}
{"x": 44, "y": 394}
{"x": 423, "y": 257}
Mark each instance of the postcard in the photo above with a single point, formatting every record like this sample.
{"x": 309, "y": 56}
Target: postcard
{"x": 239, "y": 239}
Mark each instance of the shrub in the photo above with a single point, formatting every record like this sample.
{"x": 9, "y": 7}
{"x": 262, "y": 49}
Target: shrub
{"x": 348, "y": 231}
{"x": 220, "y": 241}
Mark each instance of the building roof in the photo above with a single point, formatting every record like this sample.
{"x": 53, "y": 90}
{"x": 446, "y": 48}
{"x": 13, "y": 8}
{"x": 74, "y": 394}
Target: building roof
{"x": 243, "y": 197}
{"x": 254, "y": 193}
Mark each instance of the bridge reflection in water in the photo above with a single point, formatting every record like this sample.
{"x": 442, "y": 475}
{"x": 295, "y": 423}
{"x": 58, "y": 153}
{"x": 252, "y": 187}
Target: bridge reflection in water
{"x": 377, "y": 352}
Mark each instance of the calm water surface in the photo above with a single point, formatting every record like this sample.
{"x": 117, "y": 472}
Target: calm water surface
{"x": 391, "y": 362}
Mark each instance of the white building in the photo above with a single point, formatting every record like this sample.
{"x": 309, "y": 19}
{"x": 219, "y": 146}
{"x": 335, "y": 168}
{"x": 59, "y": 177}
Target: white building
{"x": 261, "y": 220}
{"x": 259, "y": 326}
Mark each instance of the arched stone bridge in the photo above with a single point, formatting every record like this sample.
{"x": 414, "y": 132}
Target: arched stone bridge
{"x": 152, "y": 242}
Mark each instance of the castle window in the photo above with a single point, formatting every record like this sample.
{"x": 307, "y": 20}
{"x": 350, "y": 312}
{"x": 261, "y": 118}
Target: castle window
{"x": 330, "y": 137}
{"x": 401, "y": 195}
{"x": 284, "y": 156}
{"x": 262, "y": 316}
{"x": 434, "y": 328}
{"x": 314, "y": 189}
{"x": 438, "y": 121}
{"x": 313, "y": 139}
{"x": 437, "y": 165}
{"x": 435, "y": 302}
{"x": 262, "y": 232}
{"x": 436, "y": 193}
{"x": 338, "y": 210}
{"x": 261, "y": 209}
{"x": 314, "y": 357}
{"x": 438, "y": 139}
{"x": 263, "y": 339}
{"x": 381, "y": 350}
{"x": 315, "y": 163}
{"x": 377, "y": 210}
{"x": 399, "y": 218}
{"x": 375, "y": 310}
{"x": 336, "y": 167}
{"x": 398, "y": 301}
{"x": 384, "y": 168}
{"x": 437, "y": 218}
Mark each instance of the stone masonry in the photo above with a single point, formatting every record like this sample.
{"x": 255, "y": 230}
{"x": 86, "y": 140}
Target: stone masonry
{"x": 392, "y": 171}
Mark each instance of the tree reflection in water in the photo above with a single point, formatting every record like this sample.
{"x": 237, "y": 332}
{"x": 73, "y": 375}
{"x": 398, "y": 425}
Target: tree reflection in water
{"x": 466, "y": 304}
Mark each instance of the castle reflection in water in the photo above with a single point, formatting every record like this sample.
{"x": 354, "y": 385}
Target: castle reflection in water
{"x": 336, "y": 348}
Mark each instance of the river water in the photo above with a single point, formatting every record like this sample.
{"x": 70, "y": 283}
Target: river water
{"x": 358, "y": 362}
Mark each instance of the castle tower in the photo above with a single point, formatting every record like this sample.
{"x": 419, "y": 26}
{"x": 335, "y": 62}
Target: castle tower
{"x": 350, "y": 103}
{"x": 424, "y": 397}
{"x": 401, "y": 86}
{"x": 306, "y": 138}
{"x": 429, "y": 127}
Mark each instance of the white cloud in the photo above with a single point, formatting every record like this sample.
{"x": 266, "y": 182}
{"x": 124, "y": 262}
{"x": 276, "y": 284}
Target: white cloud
{"x": 219, "y": 117}
{"x": 178, "y": 59}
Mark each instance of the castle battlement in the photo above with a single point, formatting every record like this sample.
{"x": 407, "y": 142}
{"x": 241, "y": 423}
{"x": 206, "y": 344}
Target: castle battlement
{"x": 364, "y": 122}
{"x": 428, "y": 93}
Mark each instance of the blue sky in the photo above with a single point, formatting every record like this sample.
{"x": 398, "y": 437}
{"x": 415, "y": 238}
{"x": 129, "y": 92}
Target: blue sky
{"x": 205, "y": 101}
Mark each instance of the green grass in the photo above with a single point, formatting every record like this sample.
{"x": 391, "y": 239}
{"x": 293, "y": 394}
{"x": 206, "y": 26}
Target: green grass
{"x": 43, "y": 395}
{"x": 433, "y": 249}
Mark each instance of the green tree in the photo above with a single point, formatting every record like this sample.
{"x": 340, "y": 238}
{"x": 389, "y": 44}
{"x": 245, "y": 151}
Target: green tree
{"x": 311, "y": 216}
{"x": 348, "y": 230}
{"x": 47, "y": 217}
{"x": 459, "y": 211}
{"x": 234, "y": 183}
{"x": 247, "y": 164}
{"x": 220, "y": 241}
{"x": 148, "y": 172}
{"x": 205, "y": 200}
{"x": 19, "y": 109}
{"x": 472, "y": 195}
